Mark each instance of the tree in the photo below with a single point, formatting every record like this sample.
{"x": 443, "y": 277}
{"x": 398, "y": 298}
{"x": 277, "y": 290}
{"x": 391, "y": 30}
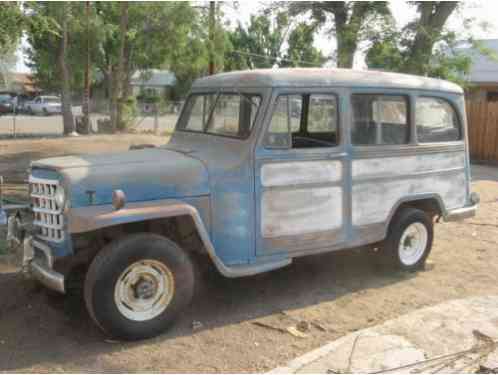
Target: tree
{"x": 353, "y": 22}
{"x": 117, "y": 97}
{"x": 421, "y": 47}
{"x": 48, "y": 28}
{"x": 67, "y": 115}
{"x": 260, "y": 46}
{"x": 153, "y": 33}
{"x": 11, "y": 26}
{"x": 300, "y": 50}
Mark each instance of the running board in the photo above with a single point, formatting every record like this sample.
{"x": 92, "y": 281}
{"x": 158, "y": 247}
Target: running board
{"x": 251, "y": 269}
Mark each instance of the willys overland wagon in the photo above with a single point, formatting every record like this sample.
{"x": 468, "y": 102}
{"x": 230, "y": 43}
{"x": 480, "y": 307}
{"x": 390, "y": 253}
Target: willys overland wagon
{"x": 264, "y": 166}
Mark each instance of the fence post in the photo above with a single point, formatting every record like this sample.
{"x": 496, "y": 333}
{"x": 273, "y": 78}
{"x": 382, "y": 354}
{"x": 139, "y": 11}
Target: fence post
{"x": 156, "y": 119}
{"x": 14, "y": 122}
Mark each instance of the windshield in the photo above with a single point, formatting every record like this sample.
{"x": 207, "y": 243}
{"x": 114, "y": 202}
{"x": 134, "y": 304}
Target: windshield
{"x": 226, "y": 114}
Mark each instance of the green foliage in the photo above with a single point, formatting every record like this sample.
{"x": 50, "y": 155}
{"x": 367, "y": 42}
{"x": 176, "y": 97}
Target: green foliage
{"x": 300, "y": 51}
{"x": 129, "y": 110}
{"x": 44, "y": 40}
{"x": 352, "y": 22}
{"x": 11, "y": 26}
{"x": 423, "y": 46}
{"x": 261, "y": 38}
{"x": 261, "y": 45}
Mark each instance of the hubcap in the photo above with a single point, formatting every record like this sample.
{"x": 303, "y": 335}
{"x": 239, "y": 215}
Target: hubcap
{"x": 413, "y": 243}
{"x": 144, "y": 290}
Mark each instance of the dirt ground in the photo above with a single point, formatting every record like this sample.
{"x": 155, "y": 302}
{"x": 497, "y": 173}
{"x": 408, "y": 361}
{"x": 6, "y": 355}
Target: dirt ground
{"x": 340, "y": 292}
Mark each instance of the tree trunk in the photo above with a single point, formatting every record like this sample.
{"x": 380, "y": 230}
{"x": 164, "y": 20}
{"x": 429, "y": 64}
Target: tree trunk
{"x": 345, "y": 52}
{"x": 212, "y": 25}
{"x": 86, "y": 93}
{"x": 116, "y": 102}
{"x": 433, "y": 16}
{"x": 126, "y": 89}
{"x": 67, "y": 115}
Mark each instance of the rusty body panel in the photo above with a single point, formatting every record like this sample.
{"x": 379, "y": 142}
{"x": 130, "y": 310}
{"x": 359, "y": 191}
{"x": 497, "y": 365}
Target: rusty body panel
{"x": 256, "y": 207}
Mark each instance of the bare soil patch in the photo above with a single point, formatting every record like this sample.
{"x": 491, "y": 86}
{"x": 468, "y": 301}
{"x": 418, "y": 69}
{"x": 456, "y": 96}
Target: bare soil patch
{"x": 338, "y": 293}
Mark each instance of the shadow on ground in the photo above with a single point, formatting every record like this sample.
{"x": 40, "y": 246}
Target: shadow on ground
{"x": 36, "y": 326}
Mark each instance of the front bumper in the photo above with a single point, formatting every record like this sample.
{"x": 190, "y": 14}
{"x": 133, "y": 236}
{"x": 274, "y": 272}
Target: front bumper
{"x": 38, "y": 262}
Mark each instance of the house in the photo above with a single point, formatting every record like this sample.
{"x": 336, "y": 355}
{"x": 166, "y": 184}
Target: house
{"x": 153, "y": 82}
{"x": 20, "y": 84}
{"x": 483, "y": 75}
{"x": 482, "y": 99}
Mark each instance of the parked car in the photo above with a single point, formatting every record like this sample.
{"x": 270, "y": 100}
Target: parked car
{"x": 44, "y": 105}
{"x": 247, "y": 185}
{"x": 6, "y": 104}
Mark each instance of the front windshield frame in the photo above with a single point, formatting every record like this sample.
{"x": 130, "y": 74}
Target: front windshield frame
{"x": 248, "y": 95}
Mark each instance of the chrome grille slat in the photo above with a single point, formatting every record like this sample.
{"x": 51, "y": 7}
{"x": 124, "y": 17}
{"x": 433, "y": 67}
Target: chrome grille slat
{"x": 48, "y": 217}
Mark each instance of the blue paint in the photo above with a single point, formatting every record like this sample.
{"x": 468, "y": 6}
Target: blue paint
{"x": 227, "y": 170}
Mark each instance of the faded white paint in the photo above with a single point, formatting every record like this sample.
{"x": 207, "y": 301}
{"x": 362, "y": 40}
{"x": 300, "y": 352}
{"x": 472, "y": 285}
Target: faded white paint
{"x": 395, "y": 166}
{"x": 298, "y": 173}
{"x": 372, "y": 201}
{"x": 300, "y": 211}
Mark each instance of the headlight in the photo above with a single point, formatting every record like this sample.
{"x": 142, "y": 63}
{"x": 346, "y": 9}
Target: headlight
{"x": 60, "y": 197}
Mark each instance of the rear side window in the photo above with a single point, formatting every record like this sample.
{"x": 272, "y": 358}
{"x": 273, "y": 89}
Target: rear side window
{"x": 380, "y": 120}
{"x": 436, "y": 121}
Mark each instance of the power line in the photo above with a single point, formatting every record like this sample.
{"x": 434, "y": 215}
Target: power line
{"x": 274, "y": 58}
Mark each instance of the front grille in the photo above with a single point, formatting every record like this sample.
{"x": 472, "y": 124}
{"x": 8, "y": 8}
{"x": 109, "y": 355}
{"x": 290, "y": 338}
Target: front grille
{"x": 48, "y": 218}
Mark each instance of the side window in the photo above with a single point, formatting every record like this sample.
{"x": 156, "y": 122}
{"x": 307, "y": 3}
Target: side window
{"x": 286, "y": 118}
{"x": 304, "y": 121}
{"x": 436, "y": 121}
{"x": 380, "y": 120}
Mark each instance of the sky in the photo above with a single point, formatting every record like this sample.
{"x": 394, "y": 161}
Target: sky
{"x": 484, "y": 12}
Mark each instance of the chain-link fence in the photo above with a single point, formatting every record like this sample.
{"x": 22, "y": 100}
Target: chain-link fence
{"x": 31, "y": 121}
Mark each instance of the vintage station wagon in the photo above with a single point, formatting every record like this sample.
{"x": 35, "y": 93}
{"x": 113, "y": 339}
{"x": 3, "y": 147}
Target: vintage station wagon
{"x": 263, "y": 166}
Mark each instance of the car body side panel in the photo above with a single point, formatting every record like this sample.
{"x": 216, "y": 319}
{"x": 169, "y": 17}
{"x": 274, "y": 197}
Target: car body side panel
{"x": 379, "y": 183}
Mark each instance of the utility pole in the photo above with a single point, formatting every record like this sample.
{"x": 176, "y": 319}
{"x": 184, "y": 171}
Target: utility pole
{"x": 212, "y": 24}
{"x": 86, "y": 95}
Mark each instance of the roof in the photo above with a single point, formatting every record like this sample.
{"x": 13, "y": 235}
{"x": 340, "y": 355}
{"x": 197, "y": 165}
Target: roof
{"x": 24, "y": 81}
{"x": 153, "y": 77}
{"x": 483, "y": 69}
{"x": 320, "y": 77}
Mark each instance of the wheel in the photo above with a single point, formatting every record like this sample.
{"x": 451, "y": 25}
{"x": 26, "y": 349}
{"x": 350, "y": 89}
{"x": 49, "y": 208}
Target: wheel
{"x": 136, "y": 286}
{"x": 409, "y": 240}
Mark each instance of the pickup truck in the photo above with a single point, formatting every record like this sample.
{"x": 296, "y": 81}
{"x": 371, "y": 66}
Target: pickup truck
{"x": 44, "y": 105}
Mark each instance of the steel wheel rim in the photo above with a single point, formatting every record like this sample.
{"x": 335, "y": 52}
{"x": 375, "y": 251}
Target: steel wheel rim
{"x": 144, "y": 290}
{"x": 413, "y": 243}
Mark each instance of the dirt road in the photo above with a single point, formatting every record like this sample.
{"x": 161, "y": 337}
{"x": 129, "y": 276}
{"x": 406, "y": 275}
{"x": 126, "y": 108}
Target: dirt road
{"x": 341, "y": 292}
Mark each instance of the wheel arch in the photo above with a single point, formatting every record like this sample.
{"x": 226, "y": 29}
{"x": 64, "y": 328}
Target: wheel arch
{"x": 430, "y": 203}
{"x": 93, "y": 221}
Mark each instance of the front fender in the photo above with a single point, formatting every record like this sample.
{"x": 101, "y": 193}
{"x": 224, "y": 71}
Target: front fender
{"x": 90, "y": 218}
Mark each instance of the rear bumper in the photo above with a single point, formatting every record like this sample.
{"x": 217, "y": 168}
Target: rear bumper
{"x": 461, "y": 213}
{"x": 38, "y": 262}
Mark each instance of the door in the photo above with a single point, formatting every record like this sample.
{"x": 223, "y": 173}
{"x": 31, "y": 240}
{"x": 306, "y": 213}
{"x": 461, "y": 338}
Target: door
{"x": 299, "y": 177}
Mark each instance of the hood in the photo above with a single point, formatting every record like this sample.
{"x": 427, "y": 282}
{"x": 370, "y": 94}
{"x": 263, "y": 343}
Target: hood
{"x": 143, "y": 175}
